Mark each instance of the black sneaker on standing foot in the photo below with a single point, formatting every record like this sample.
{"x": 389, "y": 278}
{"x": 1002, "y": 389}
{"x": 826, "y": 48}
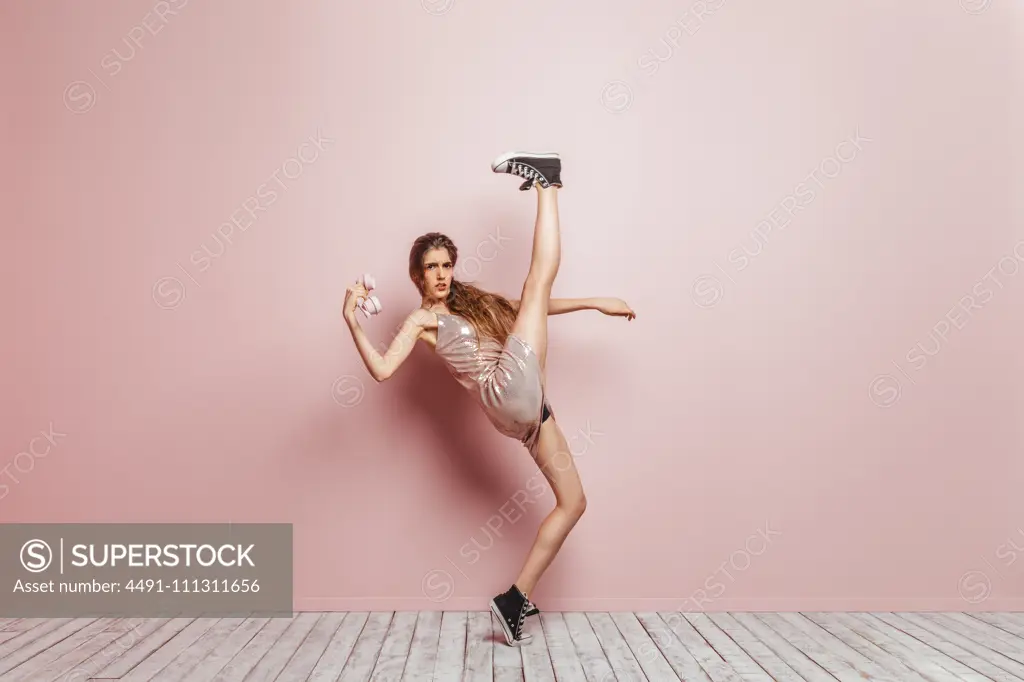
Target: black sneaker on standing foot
{"x": 543, "y": 168}
{"x": 510, "y": 607}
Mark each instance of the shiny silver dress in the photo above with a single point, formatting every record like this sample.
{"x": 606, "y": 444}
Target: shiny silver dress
{"x": 505, "y": 380}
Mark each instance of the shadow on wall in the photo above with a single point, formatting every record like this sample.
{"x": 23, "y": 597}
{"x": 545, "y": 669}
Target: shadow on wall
{"x": 460, "y": 429}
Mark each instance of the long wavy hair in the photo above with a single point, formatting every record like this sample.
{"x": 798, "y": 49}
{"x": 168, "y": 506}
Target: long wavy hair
{"x": 490, "y": 314}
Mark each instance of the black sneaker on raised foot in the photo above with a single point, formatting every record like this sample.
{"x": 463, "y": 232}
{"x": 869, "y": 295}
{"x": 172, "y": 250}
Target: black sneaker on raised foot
{"x": 544, "y": 168}
{"x": 510, "y": 607}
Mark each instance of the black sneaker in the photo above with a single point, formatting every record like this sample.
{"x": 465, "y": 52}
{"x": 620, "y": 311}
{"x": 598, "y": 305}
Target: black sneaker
{"x": 531, "y": 609}
{"x": 541, "y": 167}
{"x": 510, "y": 608}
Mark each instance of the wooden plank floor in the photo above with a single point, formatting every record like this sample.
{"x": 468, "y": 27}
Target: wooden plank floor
{"x": 566, "y": 647}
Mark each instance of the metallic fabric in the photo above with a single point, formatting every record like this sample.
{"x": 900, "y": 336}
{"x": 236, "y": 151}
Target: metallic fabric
{"x": 505, "y": 380}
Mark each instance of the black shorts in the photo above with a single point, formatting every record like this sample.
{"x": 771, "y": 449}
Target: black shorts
{"x": 545, "y": 414}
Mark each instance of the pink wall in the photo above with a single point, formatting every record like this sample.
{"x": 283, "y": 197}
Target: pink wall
{"x": 813, "y": 207}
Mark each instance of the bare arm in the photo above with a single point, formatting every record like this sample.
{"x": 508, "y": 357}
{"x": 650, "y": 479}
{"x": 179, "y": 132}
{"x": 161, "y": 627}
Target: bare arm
{"x": 558, "y": 306}
{"x": 608, "y": 306}
{"x": 382, "y": 367}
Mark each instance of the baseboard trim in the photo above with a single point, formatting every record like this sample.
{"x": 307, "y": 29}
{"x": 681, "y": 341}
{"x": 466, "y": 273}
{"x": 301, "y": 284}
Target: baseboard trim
{"x": 644, "y": 604}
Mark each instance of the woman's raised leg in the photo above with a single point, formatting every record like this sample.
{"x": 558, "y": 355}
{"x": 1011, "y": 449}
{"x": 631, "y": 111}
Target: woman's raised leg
{"x": 531, "y": 323}
{"x": 543, "y": 171}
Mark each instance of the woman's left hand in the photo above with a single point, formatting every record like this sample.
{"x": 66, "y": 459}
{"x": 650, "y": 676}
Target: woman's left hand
{"x": 615, "y": 307}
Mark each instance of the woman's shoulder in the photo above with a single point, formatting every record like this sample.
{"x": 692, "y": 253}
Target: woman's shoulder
{"x": 424, "y": 318}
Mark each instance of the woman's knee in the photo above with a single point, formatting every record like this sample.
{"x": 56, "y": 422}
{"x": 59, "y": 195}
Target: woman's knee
{"x": 538, "y": 285}
{"x": 574, "y": 505}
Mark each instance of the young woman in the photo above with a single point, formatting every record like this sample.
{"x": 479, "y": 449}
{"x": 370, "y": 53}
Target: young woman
{"x": 497, "y": 349}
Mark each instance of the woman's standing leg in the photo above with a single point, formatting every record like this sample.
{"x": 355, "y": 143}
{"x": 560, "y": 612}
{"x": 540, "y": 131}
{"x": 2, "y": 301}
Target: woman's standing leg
{"x": 556, "y": 462}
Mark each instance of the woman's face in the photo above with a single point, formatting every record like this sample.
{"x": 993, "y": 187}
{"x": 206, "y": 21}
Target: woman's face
{"x": 437, "y": 274}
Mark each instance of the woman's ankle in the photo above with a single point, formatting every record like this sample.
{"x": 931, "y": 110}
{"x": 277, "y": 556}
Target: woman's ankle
{"x": 522, "y": 586}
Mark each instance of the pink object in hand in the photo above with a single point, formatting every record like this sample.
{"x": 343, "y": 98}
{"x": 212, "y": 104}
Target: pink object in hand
{"x": 369, "y": 306}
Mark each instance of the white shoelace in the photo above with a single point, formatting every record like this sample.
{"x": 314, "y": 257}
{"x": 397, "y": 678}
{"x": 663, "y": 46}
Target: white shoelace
{"x": 525, "y": 171}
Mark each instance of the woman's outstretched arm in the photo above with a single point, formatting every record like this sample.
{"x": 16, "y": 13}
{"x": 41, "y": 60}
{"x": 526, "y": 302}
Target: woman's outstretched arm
{"x": 558, "y": 306}
{"x": 382, "y": 367}
{"x": 608, "y": 306}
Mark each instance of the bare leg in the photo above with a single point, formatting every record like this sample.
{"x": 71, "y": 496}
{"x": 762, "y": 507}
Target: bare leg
{"x": 556, "y": 462}
{"x": 531, "y": 323}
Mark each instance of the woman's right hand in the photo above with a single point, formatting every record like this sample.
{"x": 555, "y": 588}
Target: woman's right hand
{"x": 352, "y": 295}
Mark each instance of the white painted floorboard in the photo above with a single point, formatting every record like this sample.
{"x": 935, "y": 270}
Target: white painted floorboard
{"x": 460, "y": 646}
